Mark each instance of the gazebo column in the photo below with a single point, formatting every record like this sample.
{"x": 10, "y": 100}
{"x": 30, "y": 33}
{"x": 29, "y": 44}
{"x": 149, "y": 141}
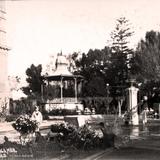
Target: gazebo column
{"x": 42, "y": 92}
{"x": 47, "y": 88}
{"x": 61, "y": 89}
{"x": 75, "y": 88}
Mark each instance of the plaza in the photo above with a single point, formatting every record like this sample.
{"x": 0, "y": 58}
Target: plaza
{"x": 143, "y": 143}
{"x": 97, "y": 104}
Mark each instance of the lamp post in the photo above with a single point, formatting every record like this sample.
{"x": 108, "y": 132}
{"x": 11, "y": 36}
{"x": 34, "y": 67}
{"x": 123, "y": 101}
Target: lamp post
{"x": 107, "y": 88}
{"x": 42, "y": 91}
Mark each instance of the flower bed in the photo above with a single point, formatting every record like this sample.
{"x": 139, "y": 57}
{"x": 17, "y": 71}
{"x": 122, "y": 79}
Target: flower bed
{"x": 79, "y": 138}
{"x": 13, "y": 150}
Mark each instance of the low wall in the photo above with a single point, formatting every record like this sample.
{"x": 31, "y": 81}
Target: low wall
{"x": 70, "y": 106}
{"x": 81, "y": 120}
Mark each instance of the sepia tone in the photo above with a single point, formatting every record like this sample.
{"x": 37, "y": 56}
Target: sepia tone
{"x": 57, "y": 122}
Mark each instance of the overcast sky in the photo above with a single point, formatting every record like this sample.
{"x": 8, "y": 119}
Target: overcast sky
{"x": 37, "y": 29}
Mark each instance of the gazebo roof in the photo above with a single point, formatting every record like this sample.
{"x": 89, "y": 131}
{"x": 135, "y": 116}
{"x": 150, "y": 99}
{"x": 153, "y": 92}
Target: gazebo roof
{"x": 61, "y": 70}
{"x": 59, "y": 77}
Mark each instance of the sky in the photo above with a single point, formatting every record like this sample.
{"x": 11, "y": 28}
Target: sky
{"x": 37, "y": 29}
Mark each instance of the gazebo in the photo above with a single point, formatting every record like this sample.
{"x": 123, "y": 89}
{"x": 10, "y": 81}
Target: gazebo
{"x": 62, "y": 74}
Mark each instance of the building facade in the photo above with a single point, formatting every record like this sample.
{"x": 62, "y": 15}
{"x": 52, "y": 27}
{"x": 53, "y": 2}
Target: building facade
{"x": 4, "y": 88}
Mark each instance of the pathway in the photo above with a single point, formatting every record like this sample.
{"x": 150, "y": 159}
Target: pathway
{"x": 144, "y": 144}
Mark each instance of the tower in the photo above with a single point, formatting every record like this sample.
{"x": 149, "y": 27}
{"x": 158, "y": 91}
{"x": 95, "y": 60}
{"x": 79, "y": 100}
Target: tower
{"x": 4, "y": 90}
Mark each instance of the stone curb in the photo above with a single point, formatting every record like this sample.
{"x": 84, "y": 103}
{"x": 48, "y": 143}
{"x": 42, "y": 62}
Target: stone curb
{"x": 99, "y": 154}
{"x": 148, "y": 147}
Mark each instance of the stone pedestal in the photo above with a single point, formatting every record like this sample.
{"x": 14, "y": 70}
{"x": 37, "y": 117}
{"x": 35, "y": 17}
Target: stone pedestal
{"x": 132, "y": 105}
{"x": 81, "y": 120}
{"x": 134, "y": 132}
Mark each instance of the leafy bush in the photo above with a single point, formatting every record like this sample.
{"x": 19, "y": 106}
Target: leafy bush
{"x": 79, "y": 138}
{"x": 10, "y": 118}
{"x": 58, "y": 128}
{"x": 24, "y": 125}
{"x": 61, "y": 112}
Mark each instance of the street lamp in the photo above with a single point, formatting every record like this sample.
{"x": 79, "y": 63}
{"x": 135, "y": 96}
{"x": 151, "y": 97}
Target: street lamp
{"x": 107, "y": 88}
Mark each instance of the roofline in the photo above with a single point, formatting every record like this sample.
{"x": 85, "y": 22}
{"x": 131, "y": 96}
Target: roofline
{"x": 58, "y": 77}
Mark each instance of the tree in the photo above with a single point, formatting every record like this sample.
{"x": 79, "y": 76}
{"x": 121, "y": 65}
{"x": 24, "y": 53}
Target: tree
{"x": 120, "y": 66}
{"x": 93, "y": 66}
{"x": 147, "y": 60}
{"x": 148, "y": 56}
{"x": 50, "y": 67}
{"x": 72, "y": 58}
{"x": 95, "y": 87}
{"x": 14, "y": 82}
{"x": 34, "y": 80}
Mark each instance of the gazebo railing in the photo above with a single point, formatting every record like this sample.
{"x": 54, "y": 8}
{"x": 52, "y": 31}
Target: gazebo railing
{"x": 65, "y": 100}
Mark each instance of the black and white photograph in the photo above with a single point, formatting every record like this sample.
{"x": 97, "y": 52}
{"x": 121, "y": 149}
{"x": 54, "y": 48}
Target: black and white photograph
{"x": 79, "y": 80}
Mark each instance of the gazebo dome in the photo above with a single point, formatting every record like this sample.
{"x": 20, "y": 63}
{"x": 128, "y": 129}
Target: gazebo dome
{"x": 61, "y": 59}
{"x": 62, "y": 70}
{"x": 62, "y": 66}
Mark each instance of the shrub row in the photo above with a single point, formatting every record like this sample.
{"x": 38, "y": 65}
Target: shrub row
{"x": 80, "y": 138}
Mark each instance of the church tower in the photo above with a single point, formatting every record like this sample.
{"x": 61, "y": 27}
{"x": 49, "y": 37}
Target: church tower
{"x": 4, "y": 89}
